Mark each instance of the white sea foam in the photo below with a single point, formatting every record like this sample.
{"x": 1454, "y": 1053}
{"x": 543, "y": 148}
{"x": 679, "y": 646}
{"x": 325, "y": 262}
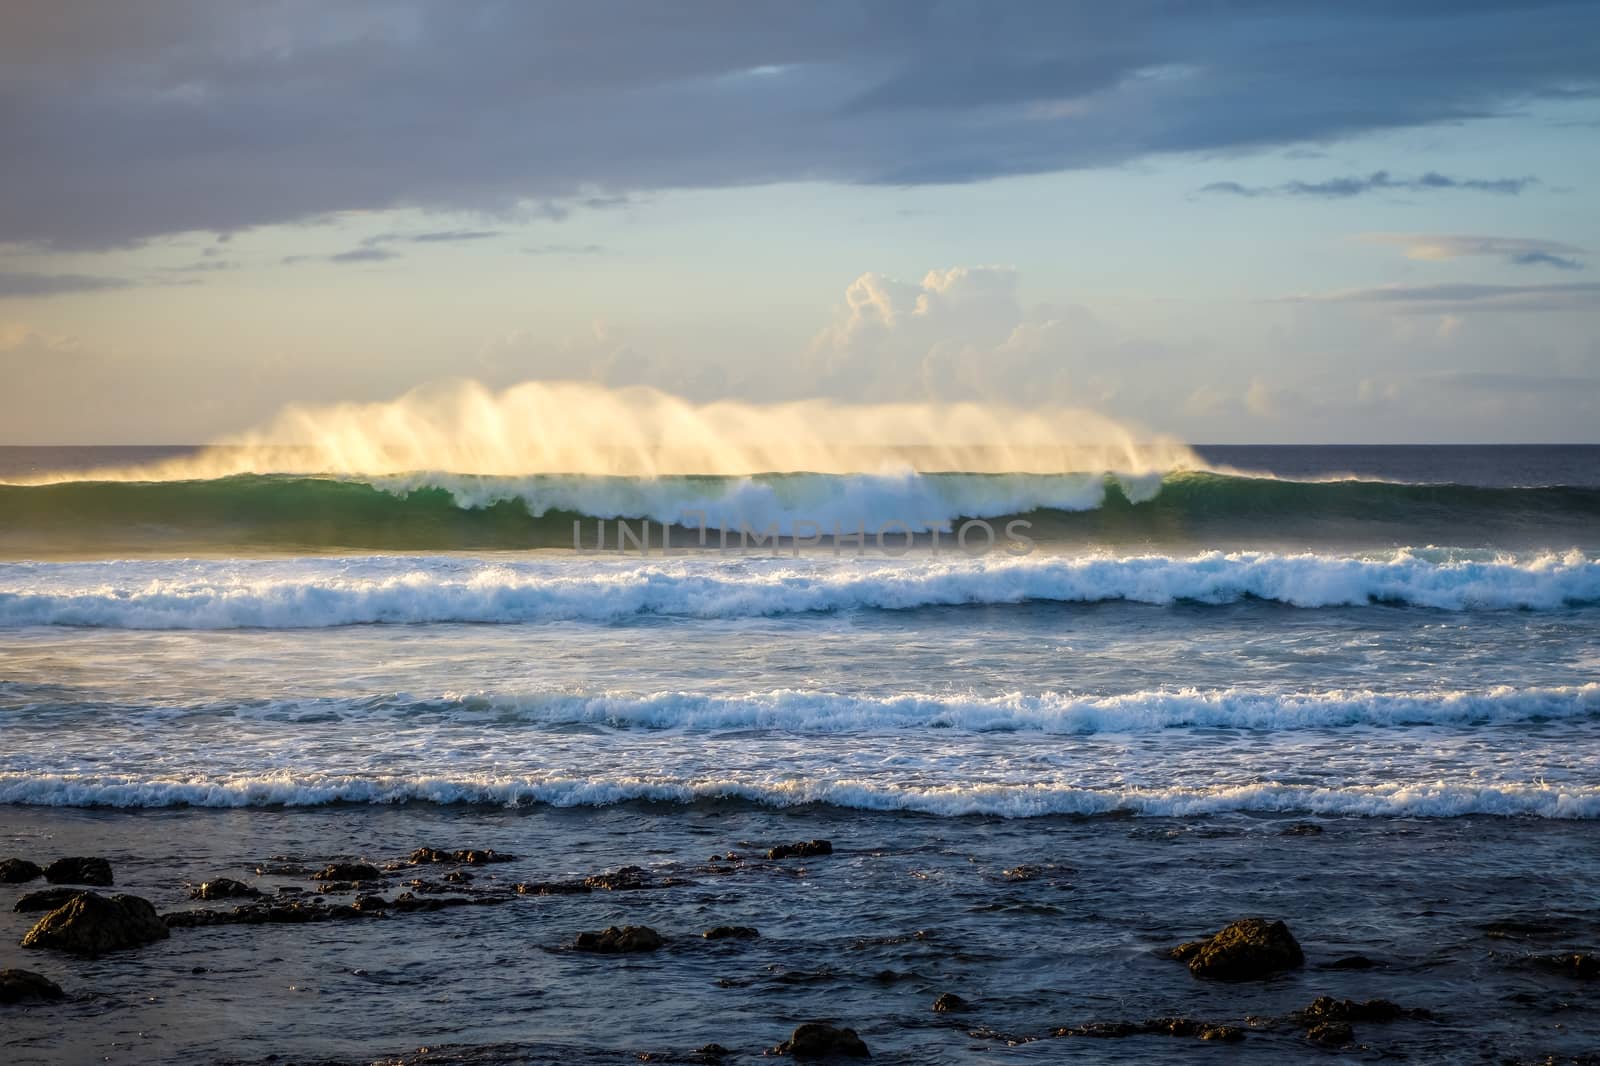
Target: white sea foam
{"x": 806, "y": 711}
{"x": 1415, "y": 799}
{"x": 324, "y": 592}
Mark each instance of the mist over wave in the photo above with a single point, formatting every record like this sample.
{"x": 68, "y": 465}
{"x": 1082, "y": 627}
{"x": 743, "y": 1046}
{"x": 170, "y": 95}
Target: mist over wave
{"x": 316, "y": 593}
{"x": 582, "y": 428}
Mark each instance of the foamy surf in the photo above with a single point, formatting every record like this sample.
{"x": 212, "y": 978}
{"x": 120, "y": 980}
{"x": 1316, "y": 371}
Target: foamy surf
{"x": 314, "y": 593}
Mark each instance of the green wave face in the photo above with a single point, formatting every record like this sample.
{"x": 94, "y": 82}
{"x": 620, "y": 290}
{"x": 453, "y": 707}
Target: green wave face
{"x": 289, "y": 514}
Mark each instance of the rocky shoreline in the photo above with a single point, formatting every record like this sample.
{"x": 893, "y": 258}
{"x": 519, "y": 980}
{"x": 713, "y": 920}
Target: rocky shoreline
{"x": 78, "y": 921}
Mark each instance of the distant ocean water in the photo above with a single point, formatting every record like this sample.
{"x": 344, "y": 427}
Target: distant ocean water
{"x": 1397, "y": 642}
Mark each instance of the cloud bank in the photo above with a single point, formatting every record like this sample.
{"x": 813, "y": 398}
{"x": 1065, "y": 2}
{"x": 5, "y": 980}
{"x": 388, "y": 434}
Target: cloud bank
{"x": 124, "y": 122}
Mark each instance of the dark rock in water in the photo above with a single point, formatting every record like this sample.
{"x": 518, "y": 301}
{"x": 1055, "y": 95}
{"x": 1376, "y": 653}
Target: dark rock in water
{"x": 1584, "y": 967}
{"x": 950, "y": 1003}
{"x": 552, "y": 888}
{"x": 814, "y": 1040}
{"x": 47, "y": 899}
{"x": 1185, "y": 1027}
{"x": 18, "y": 872}
{"x": 79, "y": 870}
{"x": 1331, "y": 1034}
{"x": 805, "y": 849}
{"x": 1515, "y": 929}
{"x": 466, "y": 856}
{"x": 1302, "y": 829}
{"x": 1351, "y": 962}
{"x": 1248, "y": 949}
{"x": 348, "y": 871}
{"x": 274, "y": 912}
{"x": 617, "y": 941}
{"x": 19, "y": 985}
{"x": 628, "y": 877}
{"x": 370, "y": 903}
{"x": 731, "y": 932}
{"x": 89, "y": 924}
{"x": 1328, "y": 1009}
{"x": 224, "y": 888}
{"x": 1198, "y": 1029}
{"x": 712, "y": 1052}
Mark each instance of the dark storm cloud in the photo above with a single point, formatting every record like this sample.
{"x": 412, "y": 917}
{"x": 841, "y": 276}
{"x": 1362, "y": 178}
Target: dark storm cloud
{"x": 125, "y": 121}
{"x": 21, "y": 285}
{"x": 1378, "y": 181}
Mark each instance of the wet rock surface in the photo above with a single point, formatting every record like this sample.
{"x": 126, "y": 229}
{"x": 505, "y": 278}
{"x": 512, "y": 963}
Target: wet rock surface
{"x": 950, "y": 1003}
{"x": 619, "y": 940}
{"x": 79, "y": 870}
{"x": 816, "y": 1040}
{"x": 224, "y": 888}
{"x": 22, "y": 986}
{"x": 46, "y": 899}
{"x": 92, "y": 924}
{"x": 19, "y": 871}
{"x": 348, "y": 872}
{"x": 731, "y": 932}
{"x": 1246, "y": 950}
{"x": 805, "y": 849}
{"x": 464, "y": 856}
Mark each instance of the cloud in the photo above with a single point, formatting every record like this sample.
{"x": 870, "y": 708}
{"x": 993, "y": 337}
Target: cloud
{"x": 1431, "y": 299}
{"x": 452, "y": 236}
{"x": 123, "y": 125}
{"x": 1518, "y": 251}
{"x": 22, "y": 285}
{"x": 565, "y": 249}
{"x": 366, "y": 254}
{"x": 1378, "y": 181}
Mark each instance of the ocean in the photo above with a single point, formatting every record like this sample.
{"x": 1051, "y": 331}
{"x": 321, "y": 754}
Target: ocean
{"x": 1051, "y": 724}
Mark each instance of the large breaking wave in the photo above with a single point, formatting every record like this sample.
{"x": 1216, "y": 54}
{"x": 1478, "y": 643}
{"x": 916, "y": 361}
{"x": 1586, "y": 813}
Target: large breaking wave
{"x": 429, "y": 512}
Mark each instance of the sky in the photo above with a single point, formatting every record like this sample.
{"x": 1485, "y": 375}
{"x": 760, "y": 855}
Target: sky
{"x": 1233, "y": 222}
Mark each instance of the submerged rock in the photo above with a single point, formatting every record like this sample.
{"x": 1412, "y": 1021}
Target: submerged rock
{"x": 1185, "y": 1027}
{"x": 804, "y": 849}
{"x": 17, "y": 986}
{"x": 89, "y": 924}
{"x": 731, "y": 932}
{"x": 1331, "y": 1034}
{"x": 950, "y": 1003}
{"x": 466, "y": 856}
{"x": 1328, "y": 1009}
{"x": 79, "y": 870}
{"x": 1302, "y": 829}
{"x": 616, "y": 940}
{"x": 1351, "y": 962}
{"x": 814, "y": 1040}
{"x": 224, "y": 888}
{"x": 46, "y": 899}
{"x": 348, "y": 871}
{"x": 18, "y": 872}
{"x": 275, "y": 912}
{"x": 1584, "y": 967}
{"x": 1248, "y": 949}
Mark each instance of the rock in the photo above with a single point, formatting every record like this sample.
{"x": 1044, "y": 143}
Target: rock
{"x": 629, "y": 877}
{"x": 89, "y": 924}
{"x": 1351, "y": 962}
{"x": 617, "y": 941}
{"x": 18, "y": 872}
{"x": 275, "y": 912}
{"x": 731, "y": 932}
{"x": 1328, "y": 1009}
{"x": 1583, "y": 966}
{"x": 370, "y": 903}
{"x": 47, "y": 899}
{"x": 1100, "y": 1030}
{"x": 950, "y": 1003}
{"x": 713, "y": 1051}
{"x": 805, "y": 849}
{"x": 79, "y": 870}
{"x": 1248, "y": 949}
{"x": 1198, "y": 1029}
{"x": 1302, "y": 829}
{"x": 467, "y": 856}
{"x": 1331, "y": 1034}
{"x": 814, "y": 1040}
{"x": 348, "y": 871}
{"x": 19, "y": 985}
{"x": 224, "y": 888}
